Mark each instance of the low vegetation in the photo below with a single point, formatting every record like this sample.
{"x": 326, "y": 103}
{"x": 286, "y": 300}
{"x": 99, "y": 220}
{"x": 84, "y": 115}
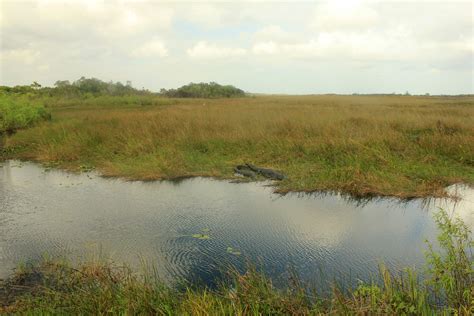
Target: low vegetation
{"x": 101, "y": 288}
{"x": 18, "y": 113}
{"x": 404, "y": 146}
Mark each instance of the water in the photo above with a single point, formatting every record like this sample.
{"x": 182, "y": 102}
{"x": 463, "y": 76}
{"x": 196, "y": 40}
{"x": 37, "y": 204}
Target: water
{"x": 321, "y": 237}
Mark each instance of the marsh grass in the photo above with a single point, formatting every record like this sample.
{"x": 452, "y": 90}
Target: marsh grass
{"x": 107, "y": 101}
{"x": 98, "y": 288}
{"x": 362, "y": 145}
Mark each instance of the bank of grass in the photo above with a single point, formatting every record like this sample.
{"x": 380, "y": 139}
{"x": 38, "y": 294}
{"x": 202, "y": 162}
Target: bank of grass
{"x": 362, "y": 145}
{"x": 106, "y": 101}
{"x": 101, "y": 288}
{"x": 19, "y": 112}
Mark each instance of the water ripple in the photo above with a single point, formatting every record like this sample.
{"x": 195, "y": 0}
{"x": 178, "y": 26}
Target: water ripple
{"x": 322, "y": 238}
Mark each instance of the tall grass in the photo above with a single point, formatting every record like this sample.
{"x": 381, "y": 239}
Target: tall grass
{"x": 363, "y": 145}
{"x": 101, "y": 288}
{"x": 106, "y": 101}
{"x": 17, "y": 113}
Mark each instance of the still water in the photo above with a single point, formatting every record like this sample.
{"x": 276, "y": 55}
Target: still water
{"x": 194, "y": 228}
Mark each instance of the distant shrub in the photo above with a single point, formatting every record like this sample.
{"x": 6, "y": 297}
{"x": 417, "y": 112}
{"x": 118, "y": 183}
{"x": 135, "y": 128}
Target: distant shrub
{"x": 93, "y": 87}
{"x": 16, "y": 113}
{"x": 204, "y": 90}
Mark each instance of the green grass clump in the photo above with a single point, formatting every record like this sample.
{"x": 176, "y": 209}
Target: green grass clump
{"x": 101, "y": 288}
{"x": 17, "y": 113}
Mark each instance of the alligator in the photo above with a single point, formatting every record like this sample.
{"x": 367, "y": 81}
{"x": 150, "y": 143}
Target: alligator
{"x": 252, "y": 171}
{"x": 267, "y": 173}
{"x": 245, "y": 171}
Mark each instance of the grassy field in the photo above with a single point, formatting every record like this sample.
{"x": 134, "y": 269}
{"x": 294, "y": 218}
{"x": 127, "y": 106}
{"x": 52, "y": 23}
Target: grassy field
{"x": 402, "y": 146}
{"x": 99, "y": 288}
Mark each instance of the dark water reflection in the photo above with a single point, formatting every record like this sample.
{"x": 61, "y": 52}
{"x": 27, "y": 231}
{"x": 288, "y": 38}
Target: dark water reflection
{"x": 321, "y": 237}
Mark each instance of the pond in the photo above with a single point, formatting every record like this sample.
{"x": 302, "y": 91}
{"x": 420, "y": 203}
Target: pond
{"x": 193, "y": 229}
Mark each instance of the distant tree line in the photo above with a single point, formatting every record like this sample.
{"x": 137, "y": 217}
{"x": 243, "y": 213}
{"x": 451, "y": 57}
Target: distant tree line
{"x": 84, "y": 87}
{"x": 204, "y": 90}
{"x": 81, "y": 87}
{"x": 96, "y": 87}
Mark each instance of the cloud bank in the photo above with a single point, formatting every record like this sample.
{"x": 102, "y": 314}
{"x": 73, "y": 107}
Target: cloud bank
{"x": 305, "y": 47}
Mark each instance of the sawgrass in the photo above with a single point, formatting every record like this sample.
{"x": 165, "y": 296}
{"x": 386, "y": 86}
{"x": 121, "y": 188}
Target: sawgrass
{"x": 402, "y": 146}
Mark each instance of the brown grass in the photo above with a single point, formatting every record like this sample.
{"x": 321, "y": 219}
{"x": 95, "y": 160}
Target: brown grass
{"x": 362, "y": 145}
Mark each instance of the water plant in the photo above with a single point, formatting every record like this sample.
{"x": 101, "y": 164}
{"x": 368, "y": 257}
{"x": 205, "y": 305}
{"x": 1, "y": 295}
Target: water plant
{"x": 233, "y": 251}
{"x": 201, "y": 236}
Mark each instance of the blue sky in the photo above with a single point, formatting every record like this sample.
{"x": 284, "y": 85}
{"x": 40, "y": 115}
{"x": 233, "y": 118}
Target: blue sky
{"x": 260, "y": 46}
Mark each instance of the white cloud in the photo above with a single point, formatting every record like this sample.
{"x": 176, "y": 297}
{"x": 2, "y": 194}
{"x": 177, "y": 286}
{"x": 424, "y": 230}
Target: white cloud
{"x": 266, "y": 48}
{"x": 397, "y": 44}
{"x": 70, "y": 20}
{"x": 463, "y": 45}
{"x": 131, "y": 19}
{"x": 274, "y": 32}
{"x": 207, "y": 15}
{"x": 344, "y": 15}
{"x": 205, "y": 50}
{"x": 275, "y": 40}
{"x": 23, "y": 55}
{"x": 151, "y": 49}
{"x": 43, "y": 67}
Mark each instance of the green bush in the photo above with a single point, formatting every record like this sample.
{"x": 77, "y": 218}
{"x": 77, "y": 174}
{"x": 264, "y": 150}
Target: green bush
{"x": 204, "y": 90}
{"x": 17, "y": 113}
{"x": 452, "y": 268}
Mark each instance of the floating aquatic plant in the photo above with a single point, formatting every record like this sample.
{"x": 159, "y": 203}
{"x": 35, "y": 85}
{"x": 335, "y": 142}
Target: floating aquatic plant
{"x": 233, "y": 251}
{"x": 201, "y": 236}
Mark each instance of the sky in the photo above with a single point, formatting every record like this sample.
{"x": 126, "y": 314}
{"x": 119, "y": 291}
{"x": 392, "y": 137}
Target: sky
{"x": 305, "y": 47}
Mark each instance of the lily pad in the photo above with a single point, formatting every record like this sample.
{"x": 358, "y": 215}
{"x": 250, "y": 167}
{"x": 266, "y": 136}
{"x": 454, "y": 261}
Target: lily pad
{"x": 233, "y": 251}
{"x": 201, "y": 236}
{"x": 206, "y": 230}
